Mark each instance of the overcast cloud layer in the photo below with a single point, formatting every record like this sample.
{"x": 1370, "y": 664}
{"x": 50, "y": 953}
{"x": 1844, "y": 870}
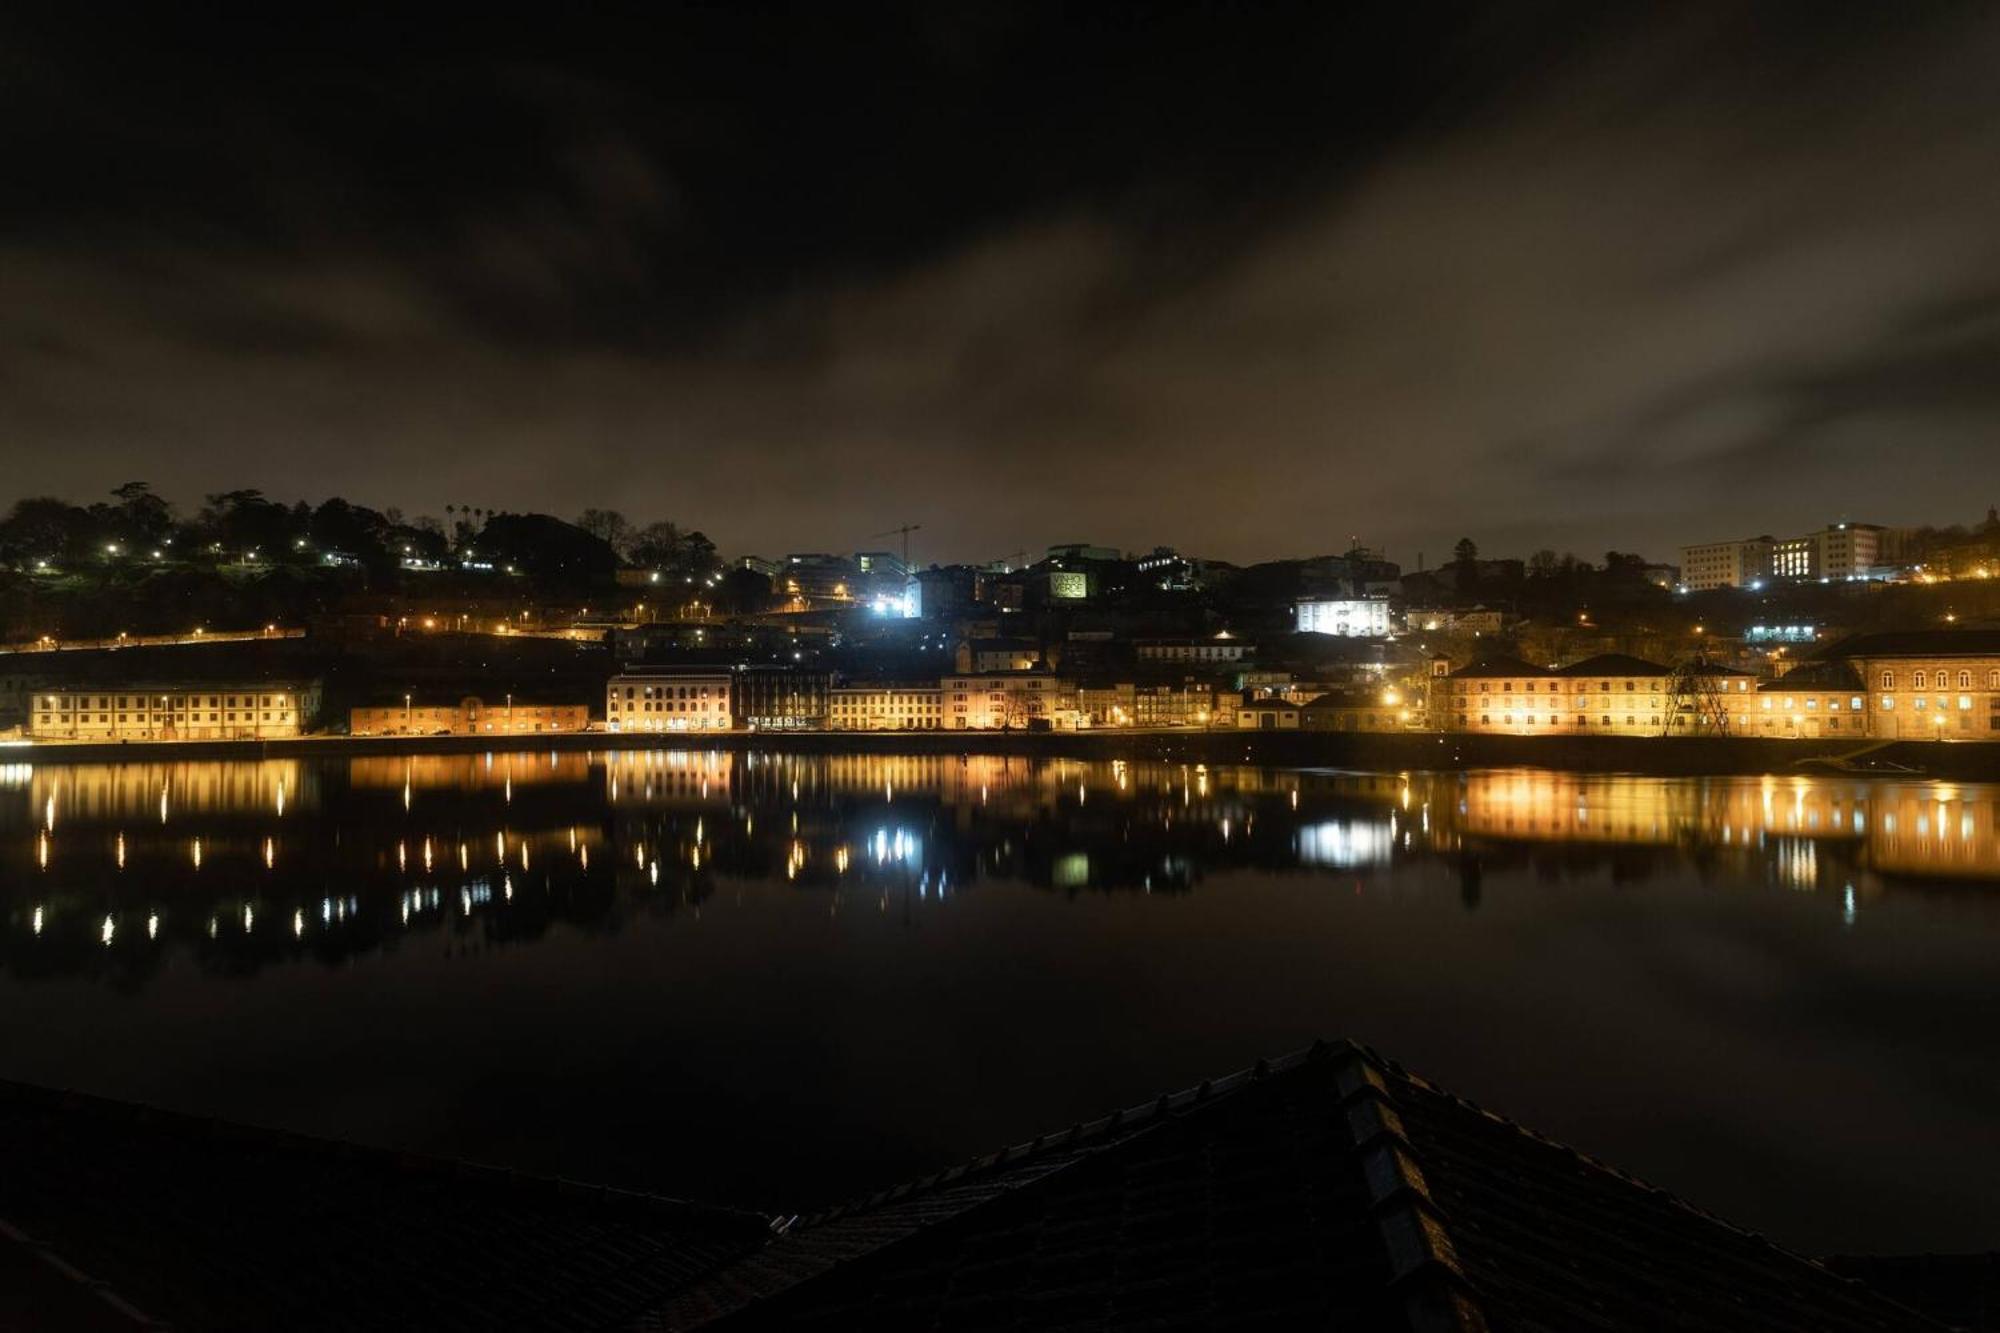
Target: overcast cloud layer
{"x": 1251, "y": 289}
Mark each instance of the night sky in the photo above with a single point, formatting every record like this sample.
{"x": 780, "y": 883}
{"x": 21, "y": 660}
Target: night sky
{"x": 1246, "y": 280}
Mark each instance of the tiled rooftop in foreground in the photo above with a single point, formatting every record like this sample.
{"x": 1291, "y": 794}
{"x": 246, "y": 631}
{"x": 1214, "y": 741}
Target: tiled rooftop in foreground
{"x": 1330, "y": 1189}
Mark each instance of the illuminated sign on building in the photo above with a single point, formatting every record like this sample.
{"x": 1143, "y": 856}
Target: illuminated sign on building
{"x": 1072, "y": 584}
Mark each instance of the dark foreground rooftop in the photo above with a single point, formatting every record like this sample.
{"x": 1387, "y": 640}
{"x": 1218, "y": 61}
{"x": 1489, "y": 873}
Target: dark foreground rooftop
{"x": 1330, "y": 1189}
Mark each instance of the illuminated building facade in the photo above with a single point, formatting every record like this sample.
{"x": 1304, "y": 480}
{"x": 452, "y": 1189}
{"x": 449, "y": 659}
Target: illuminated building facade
{"x": 1267, "y": 714}
{"x": 1929, "y": 684}
{"x": 1839, "y": 553}
{"x": 468, "y": 717}
{"x": 1365, "y": 617}
{"x": 1358, "y": 710}
{"x": 1611, "y": 694}
{"x": 1220, "y": 648}
{"x": 1614, "y": 695}
{"x": 780, "y": 698}
{"x": 265, "y": 710}
{"x": 663, "y": 699}
{"x": 1008, "y": 700}
{"x": 1505, "y": 696}
{"x": 1811, "y": 701}
{"x": 891, "y": 707}
{"x": 1737, "y": 564}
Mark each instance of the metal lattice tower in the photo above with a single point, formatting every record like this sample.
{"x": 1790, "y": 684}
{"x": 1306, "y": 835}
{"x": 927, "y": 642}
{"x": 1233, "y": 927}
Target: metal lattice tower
{"x": 1694, "y": 701}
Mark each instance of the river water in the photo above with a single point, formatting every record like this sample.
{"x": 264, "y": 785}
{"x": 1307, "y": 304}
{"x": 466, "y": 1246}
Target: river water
{"x": 776, "y": 980}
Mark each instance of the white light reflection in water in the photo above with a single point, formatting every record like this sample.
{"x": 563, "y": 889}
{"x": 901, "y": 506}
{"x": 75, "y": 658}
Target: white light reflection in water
{"x": 1345, "y": 844}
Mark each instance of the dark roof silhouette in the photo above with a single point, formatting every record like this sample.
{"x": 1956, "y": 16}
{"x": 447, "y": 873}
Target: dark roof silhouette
{"x": 1492, "y": 668}
{"x": 1963, "y": 1290}
{"x": 1614, "y": 664}
{"x": 1916, "y": 643}
{"x": 1330, "y": 1189}
{"x": 159, "y": 1219}
{"x": 1817, "y": 676}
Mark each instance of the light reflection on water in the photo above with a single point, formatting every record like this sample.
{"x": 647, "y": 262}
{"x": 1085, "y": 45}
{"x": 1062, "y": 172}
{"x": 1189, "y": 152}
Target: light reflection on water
{"x": 88, "y": 846}
{"x": 1692, "y": 977}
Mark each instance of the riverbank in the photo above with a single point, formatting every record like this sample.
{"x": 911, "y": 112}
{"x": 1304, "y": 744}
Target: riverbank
{"x": 1667, "y": 757}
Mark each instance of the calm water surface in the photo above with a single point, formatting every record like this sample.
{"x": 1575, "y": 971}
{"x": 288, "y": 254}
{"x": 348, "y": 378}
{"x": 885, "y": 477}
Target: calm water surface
{"x": 776, "y": 981}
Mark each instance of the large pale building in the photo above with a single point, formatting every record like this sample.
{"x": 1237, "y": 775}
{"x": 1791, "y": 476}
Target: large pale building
{"x": 262, "y": 710}
{"x": 1928, "y": 684}
{"x": 1607, "y": 695}
{"x": 468, "y": 717}
{"x": 1360, "y": 617}
{"x": 1223, "y": 647}
{"x": 668, "y": 699}
{"x": 1737, "y": 564}
{"x": 1007, "y": 700}
{"x": 1839, "y": 553}
{"x": 886, "y": 707}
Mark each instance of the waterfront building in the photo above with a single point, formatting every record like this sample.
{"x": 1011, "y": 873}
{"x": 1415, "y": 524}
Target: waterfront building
{"x": 469, "y": 716}
{"x": 1927, "y": 684}
{"x": 1000, "y": 700}
{"x": 1267, "y": 714}
{"x": 1358, "y": 710}
{"x": 1183, "y": 704}
{"x": 1613, "y": 694}
{"x": 1503, "y": 695}
{"x": 1107, "y": 705}
{"x": 663, "y": 699}
{"x": 1812, "y": 700}
{"x": 780, "y": 698}
{"x": 169, "y": 711}
{"x": 885, "y": 707}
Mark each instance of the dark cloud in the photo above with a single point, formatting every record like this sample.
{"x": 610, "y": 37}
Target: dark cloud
{"x": 1246, "y": 279}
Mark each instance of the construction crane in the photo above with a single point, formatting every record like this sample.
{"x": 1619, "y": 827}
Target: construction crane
{"x": 1694, "y": 700}
{"x": 903, "y": 532}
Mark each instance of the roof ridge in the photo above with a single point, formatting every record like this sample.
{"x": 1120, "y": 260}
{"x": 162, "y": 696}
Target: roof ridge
{"x": 47, "y": 1256}
{"x": 1436, "y": 1291}
{"x": 1085, "y": 1134}
{"x": 1595, "y": 1163}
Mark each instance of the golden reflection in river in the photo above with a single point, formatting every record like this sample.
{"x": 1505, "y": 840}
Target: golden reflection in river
{"x": 156, "y": 849}
{"x": 1910, "y": 828}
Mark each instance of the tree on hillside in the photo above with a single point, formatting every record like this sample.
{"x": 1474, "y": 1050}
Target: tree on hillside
{"x": 548, "y": 548}
{"x": 143, "y": 517}
{"x": 608, "y": 526}
{"x": 1465, "y": 563}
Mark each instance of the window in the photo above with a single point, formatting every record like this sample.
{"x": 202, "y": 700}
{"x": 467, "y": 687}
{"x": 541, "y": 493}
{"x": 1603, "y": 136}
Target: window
{"x": 1888, "y": 680}
{"x": 1919, "y": 680}
{"x": 1888, "y": 703}
{"x": 1965, "y": 680}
